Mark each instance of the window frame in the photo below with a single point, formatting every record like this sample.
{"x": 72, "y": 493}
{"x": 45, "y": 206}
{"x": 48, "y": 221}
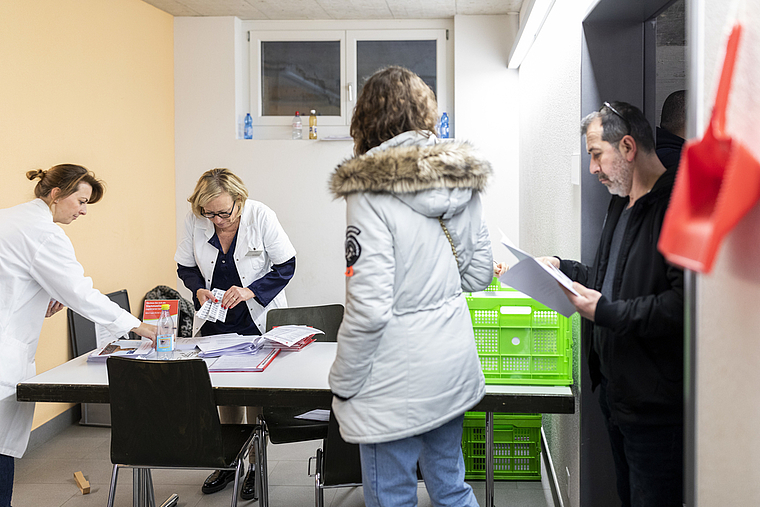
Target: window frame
{"x": 259, "y": 36}
{"x": 348, "y": 43}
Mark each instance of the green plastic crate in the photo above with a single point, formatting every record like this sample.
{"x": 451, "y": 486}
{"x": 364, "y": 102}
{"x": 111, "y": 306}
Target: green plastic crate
{"x": 517, "y": 446}
{"x": 521, "y": 341}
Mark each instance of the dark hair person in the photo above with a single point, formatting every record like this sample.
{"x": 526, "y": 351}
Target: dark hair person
{"x": 407, "y": 367}
{"x": 39, "y": 276}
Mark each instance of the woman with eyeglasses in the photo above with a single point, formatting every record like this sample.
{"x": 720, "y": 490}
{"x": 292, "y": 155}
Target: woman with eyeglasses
{"x": 39, "y": 274}
{"x": 234, "y": 244}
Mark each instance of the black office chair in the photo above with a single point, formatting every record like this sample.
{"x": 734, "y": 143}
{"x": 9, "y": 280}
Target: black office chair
{"x": 163, "y": 415}
{"x": 338, "y": 463}
{"x": 279, "y": 423}
{"x": 84, "y": 340}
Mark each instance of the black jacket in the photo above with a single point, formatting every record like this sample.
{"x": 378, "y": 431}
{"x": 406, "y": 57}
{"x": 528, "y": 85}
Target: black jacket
{"x": 638, "y": 332}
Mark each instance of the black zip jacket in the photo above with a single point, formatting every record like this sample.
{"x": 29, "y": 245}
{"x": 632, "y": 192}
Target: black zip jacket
{"x": 638, "y": 332}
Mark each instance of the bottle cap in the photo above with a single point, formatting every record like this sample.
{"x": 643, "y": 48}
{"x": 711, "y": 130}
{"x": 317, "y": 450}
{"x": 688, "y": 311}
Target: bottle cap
{"x": 313, "y": 111}
{"x": 165, "y": 307}
{"x": 297, "y": 114}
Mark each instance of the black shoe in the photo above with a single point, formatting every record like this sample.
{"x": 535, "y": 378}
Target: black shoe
{"x": 248, "y": 491}
{"x": 217, "y": 481}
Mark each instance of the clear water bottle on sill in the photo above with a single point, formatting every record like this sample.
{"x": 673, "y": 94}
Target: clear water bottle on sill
{"x": 443, "y": 129}
{"x": 248, "y": 129}
{"x": 297, "y": 132}
{"x": 165, "y": 334}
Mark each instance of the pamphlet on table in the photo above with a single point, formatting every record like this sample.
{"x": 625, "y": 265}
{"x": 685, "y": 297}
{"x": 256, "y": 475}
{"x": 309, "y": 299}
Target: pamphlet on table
{"x": 122, "y": 348}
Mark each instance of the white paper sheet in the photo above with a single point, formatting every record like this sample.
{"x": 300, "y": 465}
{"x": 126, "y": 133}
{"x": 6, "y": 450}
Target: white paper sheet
{"x": 539, "y": 281}
{"x": 318, "y": 414}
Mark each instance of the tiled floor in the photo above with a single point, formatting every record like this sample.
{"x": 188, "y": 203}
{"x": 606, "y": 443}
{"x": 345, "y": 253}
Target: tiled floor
{"x": 45, "y": 477}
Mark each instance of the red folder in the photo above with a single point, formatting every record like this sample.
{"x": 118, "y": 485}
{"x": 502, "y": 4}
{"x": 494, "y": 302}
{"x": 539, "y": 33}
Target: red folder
{"x": 718, "y": 182}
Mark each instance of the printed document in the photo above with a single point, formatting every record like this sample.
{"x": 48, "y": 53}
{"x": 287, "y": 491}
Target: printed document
{"x": 538, "y": 281}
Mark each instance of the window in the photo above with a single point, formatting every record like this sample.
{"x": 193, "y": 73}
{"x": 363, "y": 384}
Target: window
{"x": 326, "y": 69}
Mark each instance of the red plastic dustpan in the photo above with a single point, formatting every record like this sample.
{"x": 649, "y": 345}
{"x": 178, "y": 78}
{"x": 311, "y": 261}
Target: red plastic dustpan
{"x": 718, "y": 182}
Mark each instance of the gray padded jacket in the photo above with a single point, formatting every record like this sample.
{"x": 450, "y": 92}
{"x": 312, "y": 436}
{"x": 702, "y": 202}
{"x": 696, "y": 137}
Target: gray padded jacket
{"x": 406, "y": 361}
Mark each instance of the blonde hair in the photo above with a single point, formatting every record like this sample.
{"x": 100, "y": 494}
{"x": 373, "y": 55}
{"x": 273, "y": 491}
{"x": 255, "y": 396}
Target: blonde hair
{"x": 214, "y": 183}
{"x": 394, "y": 100}
{"x": 67, "y": 178}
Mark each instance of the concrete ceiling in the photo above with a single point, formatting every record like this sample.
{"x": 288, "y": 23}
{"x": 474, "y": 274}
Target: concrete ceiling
{"x": 336, "y": 9}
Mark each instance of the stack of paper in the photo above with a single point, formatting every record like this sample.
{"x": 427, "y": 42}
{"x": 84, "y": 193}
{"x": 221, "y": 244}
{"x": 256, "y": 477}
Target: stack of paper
{"x": 123, "y": 348}
{"x": 257, "y": 361}
{"x": 213, "y": 311}
{"x": 229, "y": 345}
{"x": 290, "y": 337}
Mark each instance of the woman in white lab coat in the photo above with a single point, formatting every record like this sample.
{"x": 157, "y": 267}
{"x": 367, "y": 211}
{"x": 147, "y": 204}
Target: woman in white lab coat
{"x": 236, "y": 245}
{"x": 39, "y": 275}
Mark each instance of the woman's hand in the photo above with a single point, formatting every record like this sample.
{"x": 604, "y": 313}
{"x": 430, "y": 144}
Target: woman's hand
{"x": 146, "y": 331}
{"x": 235, "y": 295}
{"x": 203, "y": 295}
{"x": 53, "y": 308}
{"x": 500, "y": 268}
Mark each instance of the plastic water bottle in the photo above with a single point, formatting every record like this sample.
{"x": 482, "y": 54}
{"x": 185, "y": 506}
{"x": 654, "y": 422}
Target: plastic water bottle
{"x": 165, "y": 334}
{"x": 248, "y": 131}
{"x": 297, "y": 132}
{"x": 443, "y": 131}
{"x": 313, "y": 125}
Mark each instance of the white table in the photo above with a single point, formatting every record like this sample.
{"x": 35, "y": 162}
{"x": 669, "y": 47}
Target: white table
{"x": 293, "y": 379}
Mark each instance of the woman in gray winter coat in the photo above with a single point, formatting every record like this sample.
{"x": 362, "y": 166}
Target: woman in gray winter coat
{"x": 407, "y": 367}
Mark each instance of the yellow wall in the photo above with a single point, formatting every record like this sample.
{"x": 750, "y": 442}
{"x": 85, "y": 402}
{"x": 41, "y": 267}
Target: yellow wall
{"x": 91, "y": 82}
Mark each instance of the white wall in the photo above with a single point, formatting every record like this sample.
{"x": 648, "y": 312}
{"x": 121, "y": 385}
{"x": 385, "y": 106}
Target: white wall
{"x": 550, "y": 213}
{"x": 291, "y": 176}
{"x": 486, "y": 113}
{"x": 728, "y": 340}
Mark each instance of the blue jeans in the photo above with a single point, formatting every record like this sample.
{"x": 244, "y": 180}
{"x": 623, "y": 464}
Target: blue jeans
{"x": 6, "y": 480}
{"x": 389, "y": 470}
{"x": 648, "y": 460}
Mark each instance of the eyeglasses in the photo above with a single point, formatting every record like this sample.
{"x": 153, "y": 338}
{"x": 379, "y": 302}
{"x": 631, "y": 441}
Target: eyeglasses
{"x": 627, "y": 123}
{"x": 221, "y": 214}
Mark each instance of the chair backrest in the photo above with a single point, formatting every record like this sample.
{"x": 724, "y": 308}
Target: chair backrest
{"x": 326, "y": 318}
{"x": 82, "y": 330}
{"x": 163, "y": 413}
{"x": 342, "y": 462}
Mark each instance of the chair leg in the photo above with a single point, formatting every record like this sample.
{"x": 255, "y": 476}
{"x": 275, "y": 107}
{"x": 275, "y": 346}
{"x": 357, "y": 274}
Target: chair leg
{"x": 136, "y": 489}
{"x": 112, "y": 491}
{"x": 240, "y": 466}
{"x": 319, "y": 492}
{"x": 149, "y": 491}
{"x": 263, "y": 474}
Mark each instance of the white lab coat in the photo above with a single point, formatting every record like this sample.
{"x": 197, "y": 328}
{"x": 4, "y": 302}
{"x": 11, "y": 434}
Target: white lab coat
{"x": 37, "y": 263}
{"x": 261, "y": 242}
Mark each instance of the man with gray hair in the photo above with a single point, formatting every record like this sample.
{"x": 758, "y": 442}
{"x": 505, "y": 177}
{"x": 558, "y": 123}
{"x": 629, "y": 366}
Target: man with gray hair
{"x": 632, "y": 303}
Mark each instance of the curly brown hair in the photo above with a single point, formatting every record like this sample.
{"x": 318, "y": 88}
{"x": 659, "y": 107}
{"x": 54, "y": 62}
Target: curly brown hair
{"x": 394, "y": 100}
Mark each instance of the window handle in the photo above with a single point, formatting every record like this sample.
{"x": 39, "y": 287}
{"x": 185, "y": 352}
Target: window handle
{"x": 350, "y": 93}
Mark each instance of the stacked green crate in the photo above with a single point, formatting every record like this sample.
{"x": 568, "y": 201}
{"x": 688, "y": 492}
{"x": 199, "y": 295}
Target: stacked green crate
{"x": 517, "y": 446}
{"x": 519, "y": 341}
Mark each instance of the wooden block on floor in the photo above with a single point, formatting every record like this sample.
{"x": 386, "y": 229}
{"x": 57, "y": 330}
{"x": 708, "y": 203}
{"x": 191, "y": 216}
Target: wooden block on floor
{"x": 84, "y": 486}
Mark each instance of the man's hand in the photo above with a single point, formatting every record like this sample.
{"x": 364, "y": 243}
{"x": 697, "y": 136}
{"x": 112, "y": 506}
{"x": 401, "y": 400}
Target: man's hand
{"x": 235, "y": 295}
{"x": 586, "y": 302}
{"x": 53, "y": 308}
{"x": 499, "y": 268}
{"x": 551, "y": 261}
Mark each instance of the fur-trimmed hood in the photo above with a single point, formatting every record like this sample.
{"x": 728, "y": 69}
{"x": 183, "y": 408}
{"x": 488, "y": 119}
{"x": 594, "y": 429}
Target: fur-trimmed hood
{"x": 412, "y": 162}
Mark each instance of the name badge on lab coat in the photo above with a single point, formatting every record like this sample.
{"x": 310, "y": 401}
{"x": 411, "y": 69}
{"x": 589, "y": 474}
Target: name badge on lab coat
{"x": 253, "y": 253}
